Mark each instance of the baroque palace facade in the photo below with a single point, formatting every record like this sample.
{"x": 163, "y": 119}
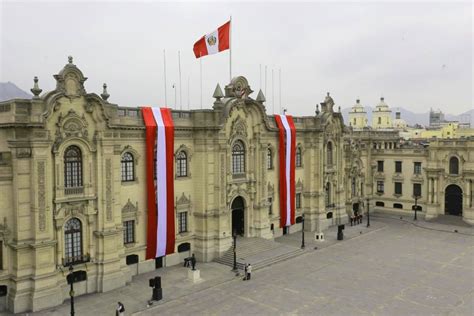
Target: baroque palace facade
{"x": 73, "y": 191}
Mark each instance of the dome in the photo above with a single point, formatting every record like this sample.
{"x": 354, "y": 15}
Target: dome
{"x": 357, "y": 108}
{"x": 382, "y": 106}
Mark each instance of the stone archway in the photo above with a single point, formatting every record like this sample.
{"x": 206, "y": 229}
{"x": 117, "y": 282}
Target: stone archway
{"x": 238, "y": 217}
{"x": 453, "y": 200}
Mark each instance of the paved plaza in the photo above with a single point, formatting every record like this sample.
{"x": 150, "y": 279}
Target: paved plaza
{"x": 392, "y": 268}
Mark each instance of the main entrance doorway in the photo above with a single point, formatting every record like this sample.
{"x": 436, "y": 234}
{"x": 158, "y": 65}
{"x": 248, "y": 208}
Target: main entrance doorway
{"x": 453, "y": 200}
{"x": 238, "y": 222}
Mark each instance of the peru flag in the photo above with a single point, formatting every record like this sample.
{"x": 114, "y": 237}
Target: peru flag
{"x": 287, "y": 153}
{"x": 213, "y": 42}
{"x": 159, "y": 131}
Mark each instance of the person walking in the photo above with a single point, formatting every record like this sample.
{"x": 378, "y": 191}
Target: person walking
{"x": 120, "y": 311}
{"x": 245, "y": 272}
{"x": 249, "y": 271}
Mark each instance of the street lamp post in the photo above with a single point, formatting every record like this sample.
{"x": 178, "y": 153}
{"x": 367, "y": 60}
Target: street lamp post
{"x": 302, "y": 231}
{"x": 71, "y": 292}
{"x": 416, "y": 206}
{"x": 234, "y": 236}
{"x": 368, "y": 214}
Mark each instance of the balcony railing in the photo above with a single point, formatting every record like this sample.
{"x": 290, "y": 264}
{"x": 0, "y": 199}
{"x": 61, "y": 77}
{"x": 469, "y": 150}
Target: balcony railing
{"x": 74, "y": 190}
{"x": 76, "y": 260}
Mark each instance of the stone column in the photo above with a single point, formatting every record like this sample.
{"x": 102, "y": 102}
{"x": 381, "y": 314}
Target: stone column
{"x": 429, "y": 191}
{"x": 436, "y": 190}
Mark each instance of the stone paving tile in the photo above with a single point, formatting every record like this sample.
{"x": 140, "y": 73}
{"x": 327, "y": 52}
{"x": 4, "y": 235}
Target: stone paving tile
{"x": 391, "y": 268}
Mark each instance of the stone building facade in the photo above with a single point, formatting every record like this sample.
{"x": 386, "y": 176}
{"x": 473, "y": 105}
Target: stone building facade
{"x": 72, "y": 185}
{"x": 73, "y": 189}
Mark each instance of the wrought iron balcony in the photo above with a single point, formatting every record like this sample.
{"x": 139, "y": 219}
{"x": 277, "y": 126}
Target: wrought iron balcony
{"x": 76, "y": 260}
{"x": 74, "y": 190}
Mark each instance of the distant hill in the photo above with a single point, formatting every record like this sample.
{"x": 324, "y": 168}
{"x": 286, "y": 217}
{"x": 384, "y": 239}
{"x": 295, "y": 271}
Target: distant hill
{"x": 413, "y": 118}
{"x": 9, "y": 90}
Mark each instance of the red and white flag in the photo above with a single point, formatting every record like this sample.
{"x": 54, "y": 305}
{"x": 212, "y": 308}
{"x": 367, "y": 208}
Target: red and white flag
{"x": 160, "y": 181}
{"x": 214, "y": 42}
{"x": 287, "y": 152}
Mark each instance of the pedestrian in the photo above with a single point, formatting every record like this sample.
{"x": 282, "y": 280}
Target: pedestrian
{"x": 193, "y": 262}
{"x": 120, "y": 311}
{"x": 245, "y": 272}
{"x": 249, "y": 271}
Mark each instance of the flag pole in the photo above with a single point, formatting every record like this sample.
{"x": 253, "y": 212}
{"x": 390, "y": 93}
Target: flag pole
{"x": 279, "y": 79}
{"x": 260, "y": 76}
{"x": 180, "y": 85}
{"x": 164, "y": 73}
{"x": 265, "y": 93}
{"x": 273, "y": 93}
{"x": 230, "y": 49}
{"x": 200, "y": 75}
{"x": 188, "y": 92}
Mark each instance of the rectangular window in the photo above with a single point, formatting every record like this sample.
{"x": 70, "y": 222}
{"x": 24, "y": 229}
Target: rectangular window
{"x": 417, "y": 167}
{"x": 380, "y": 187}
{"x": 380, "y": 165}
{"x": 183, "y": 222}
{"x": 398, "y": 188}
{"x": 417, "y": 189}
{"x": 270, "y": 206}
{"x": 129, "y": 232}
{"x": 298, "y": 200}
{"x": 398, "y": 166}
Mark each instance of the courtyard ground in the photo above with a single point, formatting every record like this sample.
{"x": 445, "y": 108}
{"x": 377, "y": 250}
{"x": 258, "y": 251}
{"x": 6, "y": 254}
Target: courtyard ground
{"x": 395, "y": 267}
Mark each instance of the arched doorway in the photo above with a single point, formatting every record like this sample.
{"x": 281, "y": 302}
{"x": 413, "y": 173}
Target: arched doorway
{"x": 238, "y": 222}
{"x": 453, "y": 200}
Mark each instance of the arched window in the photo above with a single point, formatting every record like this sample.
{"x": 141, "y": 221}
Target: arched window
{"x": 238, "y": 157}
{"x": 454, "y": 165}
{"x": 328, "y": 194}
{"x": 379, "y": 120}
{"x": 128, "y": 167}
{"x": 72, "y": 167}
{"x": 269, "y": 159}
{"x": 182, "y": 164}
{"x": 298, "y": 161}
{"x": 329, "y": 154}
{"x": 73, "y": 241}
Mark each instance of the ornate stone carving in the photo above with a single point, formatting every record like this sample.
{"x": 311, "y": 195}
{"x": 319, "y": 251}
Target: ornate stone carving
{"x": 238, "y": 88}
{"x": 71, "y": 209}
{"x": 223, "y": 176}
{"x": 70, "y": 125}
{"x": 238, "y": 128}
{"x": 183, "y": 200}
{"x": 129, "y": 208}
{"x": 299, "y": 186}
{"x": 271, "y": 189}
{"x": 23, "y": 152}
{"x": 41, "y": 169}
{"x": 108, "y": 188}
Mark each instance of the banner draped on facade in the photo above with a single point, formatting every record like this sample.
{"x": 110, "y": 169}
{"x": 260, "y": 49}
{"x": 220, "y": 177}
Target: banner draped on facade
{"x": 287, "y": 153}
{"x": 159, "y": 181}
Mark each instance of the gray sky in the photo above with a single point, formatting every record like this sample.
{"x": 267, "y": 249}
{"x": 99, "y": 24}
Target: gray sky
{"x": 416, "y": 55}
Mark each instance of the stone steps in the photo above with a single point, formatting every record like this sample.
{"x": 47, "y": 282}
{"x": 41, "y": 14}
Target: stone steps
{"x": 259, "y": 252}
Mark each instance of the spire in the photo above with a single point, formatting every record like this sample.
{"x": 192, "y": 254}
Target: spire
{"x": 218, "y": 93}
{"x": 104, "y": 94}
{"x": 260, "y": 97}
{"x": 36, "y": 90}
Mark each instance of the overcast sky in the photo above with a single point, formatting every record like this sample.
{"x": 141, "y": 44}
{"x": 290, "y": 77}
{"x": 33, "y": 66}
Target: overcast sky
{"x": 416, "y": 55}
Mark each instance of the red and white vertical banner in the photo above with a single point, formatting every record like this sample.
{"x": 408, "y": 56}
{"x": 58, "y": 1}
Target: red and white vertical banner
{"x": 159, "y": 181}
{"x": 287, "y": 153}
